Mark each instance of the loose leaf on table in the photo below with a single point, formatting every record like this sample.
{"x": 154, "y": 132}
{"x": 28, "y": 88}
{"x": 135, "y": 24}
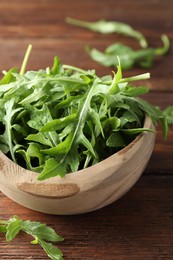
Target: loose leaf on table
{"x": 106, "y": 27}
{"x": 128, "y": 56}
{"x": 13, "y": 228}
{"x": 168, "y": 112}
{"x": 41, "y": 233}
{"x": 52, "y": 251}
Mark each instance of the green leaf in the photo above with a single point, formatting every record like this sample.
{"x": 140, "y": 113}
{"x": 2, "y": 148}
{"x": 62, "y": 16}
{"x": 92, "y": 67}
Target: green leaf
{"x": 74, "y": 159}
{"x": 76, "y": 136}
{"x": 128, "y": 56}
{"x": 37, "y": 94}
{"x": 96, "y": 119}
{"x": 58, "y": 124}
{"x": 61, "y": 148}
{"x": 52, "y": 168}
{"x": 42, "y": 231}
{"x": 56, "y": 68}
{"x": 137, "y": 131}
{"x": 168, "y": 112}
{"x": 106, "y": 27}
{"x": 149, "y": 109}
{"x": 68, "y": 101}
{"x": 115, "y": 140}
{"x": 8, "y": 122}
{"x": 129, "y": 117}
{"x": 164, "y": 123}
{"x": 52, "y": 251}
{"x": 133, "y": 91}
{"x": 113, "y": 122}
{"x": 13, "y": 228}
{"x": 33, "y": 151}
{"x": 20, "y": 129}
{"x": 8, "y": 77}
{"x": 3, "y": 147}
{"x": 39, "y": 118}
{"x": 39, "y": 138}
{"x": 114, "y": 89}
{"x": 87, "y": 144}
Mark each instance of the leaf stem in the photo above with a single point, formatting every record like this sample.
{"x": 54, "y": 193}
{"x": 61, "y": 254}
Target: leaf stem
{"x": 25, "y": 60}
{"x": 130, "y": 79}
{"x": 166, "y": 45}
{"x": 79, "y": 23}
{"x": 4, "y": 222}
{"x": 74, "y": 68}
{"x": 138, "y": 77}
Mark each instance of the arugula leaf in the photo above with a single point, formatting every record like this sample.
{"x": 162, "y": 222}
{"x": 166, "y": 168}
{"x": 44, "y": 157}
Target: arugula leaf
{"x": 58, "y": 124}
{"x": 128, "y": 56}
{"x": 107, "y": 27}
{"x": 52, "y": 251}
{"x": 40, "y": 232}
{"x": 115, "y": 140}
{"x": 8, "y": 77}
{"x": 52, "y": 168}
{"x": 33, "y": 151}
{"x": 13, "y": 228}
{"x": 168, "y": 112}
{"x": 8, "y": 122}
{"x": 57, "y": 67}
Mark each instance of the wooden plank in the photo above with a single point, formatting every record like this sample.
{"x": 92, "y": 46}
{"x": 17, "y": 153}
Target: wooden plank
{"x": 138, "y": 226}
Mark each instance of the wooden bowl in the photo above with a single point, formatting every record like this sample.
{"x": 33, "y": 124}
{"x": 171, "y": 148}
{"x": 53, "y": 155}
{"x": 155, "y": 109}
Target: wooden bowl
{"x": 82, "y": 191}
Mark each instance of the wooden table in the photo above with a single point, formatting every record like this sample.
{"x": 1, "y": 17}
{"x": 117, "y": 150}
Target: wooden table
{"x": 139, "y": 226}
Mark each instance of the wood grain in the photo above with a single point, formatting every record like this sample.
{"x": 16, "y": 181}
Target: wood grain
{"x": 140, "y": 225}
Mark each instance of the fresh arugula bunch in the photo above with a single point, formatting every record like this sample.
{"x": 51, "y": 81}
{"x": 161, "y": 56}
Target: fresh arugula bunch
{"x": 63, "y": 119}
{"x": 41, "y": 233}
{"x": 128, "y": 56}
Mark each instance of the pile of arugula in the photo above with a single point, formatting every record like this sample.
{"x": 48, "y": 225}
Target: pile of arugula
{"x": 63, "y": 119}
{"x": 42, "y": 234}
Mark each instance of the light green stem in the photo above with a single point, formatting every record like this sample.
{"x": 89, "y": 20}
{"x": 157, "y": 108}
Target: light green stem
{"x": 25, "y": 60}
{"x": 138, "y": 77}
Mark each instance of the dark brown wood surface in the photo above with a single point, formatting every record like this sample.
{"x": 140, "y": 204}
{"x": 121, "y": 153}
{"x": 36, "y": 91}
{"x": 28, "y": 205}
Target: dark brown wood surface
{"x": 138, "y": 226}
